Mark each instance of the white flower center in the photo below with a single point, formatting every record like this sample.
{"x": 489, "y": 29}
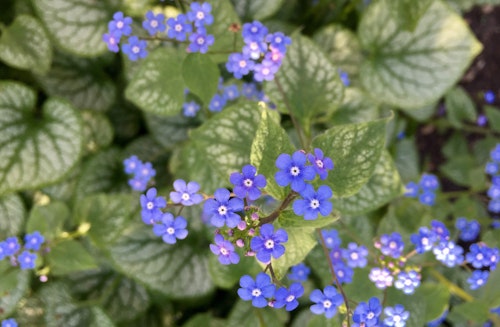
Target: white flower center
{"x": 223, "y": 251}
{"x": 243, "y": 63}
{"x": 340, "y": 273}
{"x": 248, "y": 182}
{"x": 170, "y": 230}
{"x": 392, "y": 245}
{"x": 200, "y": 40}
{"x": 354, "y": 256}
{"x": 269, "y": 244}
{"x": 178, "y": 27}
{"x": 314, "y": 204}
{"x": 222, "y": 210}
{"x": 265, "y": 71}
{"x": 295, "y": 171}
{"x": 119, "y": 24}
{"x": 254, "y": 29}
{"x": 185, "y": 196}
{"x": 446, "y": 251}
{"x": 327, "y": 304}
{"x": 370, "y": 315}
{"x": 290, "y": 298}
{"x": 425, "y": 241}
{"x": 479, "y": 256}
{"x": 256, "y": 292}
{"x": 396, "y": 318}
{"x": 200, "y": 15}
{"x": 277, "y": 40}
{"x": 319, "y": 163}
{"x": 150, "y": 205}
{"x": 154, "y": 23}
{"x": 480, "y": 282}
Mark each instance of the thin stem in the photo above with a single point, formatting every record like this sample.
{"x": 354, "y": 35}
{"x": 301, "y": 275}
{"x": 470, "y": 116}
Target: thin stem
{"x": 334, "y": 275}
{"x": 454, "y": 289}
{"x": 467, "y": 128}
{"x": 274, "y": 215}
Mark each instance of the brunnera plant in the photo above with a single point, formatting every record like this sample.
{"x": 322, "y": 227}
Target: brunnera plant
{"x": 220, "y": 163}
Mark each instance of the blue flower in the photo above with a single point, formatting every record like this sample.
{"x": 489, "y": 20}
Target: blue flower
{"x": 171, "y": 229}
{"x": 288, "y": 297}
{"x": 367, "y": 313}
{"x": 268, "y": 243}
{"x": 249, "y": 90}
{"x": 495, "y": 153}
{"x": 429, "y": 182}
{"x": 254, "y": 50}
{"x": 424, "y": 240}
{"x": 355, "y": 255}
{"x": 120, "y": 25}
{"x": 225, "y": 250}
{"x": 11, "y": 246}
{"x": 138, "y": 184}
{"x": 491, "y": 168}
{"x": 494, "y": 206}
{"x": 265, "y": 71}
{"x": 111, "y": 41}
{"x": 200, "y": 41}
{"x": 381, "y": 277}
{"x": 482, "y": 120}
{"x": 331, "y": 238}
{"x": 190, "y": 108}
{"x": 239, "y": 65}
{"x": 391, "y": 245}
{"x": 146, "y": 171}
{"x": 313, "y": 203}
{"x": 480, "y": 256}
{"x": 178, "y": 27}
{"x": 489, "y": 96}
{"x": 478, "y": 279}
{"x": 230, "y": 92}
{"x": 344, "y": 273}
{"x": 326, "y": 302}
{"x": 200, "y": 14}
{"x": 33, "y": 241}
{"x": 494, "y": 191}
{"x": 135, "y": 48}
{"x": 221, "y": 209}
{"x": 469, "y": 231}
{"x": 293, "y": 170}
{"x": 151, "y": 206}
{"x": 449, "y": 253}
{"x": 411, "y": 190}
{"x": 344, "y": 77}
{"x": 186, "y": 194}
{"x": 440, "y": 230}
{"x": 278, "y": 41}
{"x": 257, "y": 291}
{"x": 154, "y": 23}
{"x": 26, "y": 260}
{"x": 217, "y": 103}
{"x": 9, "y": 323}
{"x": 396, "y": 316}
{"x": 254, "y": 31}
{"x": 336, "y": 254}
{"x": 321, "y": 164}
{"x": 132, "y": 165}
{"x": 427, "y": 198}
{"x": 247, "y": 183}
{"x": 299, "y": 272}
{"x": 408, "y": 281}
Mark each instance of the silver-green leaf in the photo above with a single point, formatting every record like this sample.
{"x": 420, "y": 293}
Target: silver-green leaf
{"x": 12, "y": 215}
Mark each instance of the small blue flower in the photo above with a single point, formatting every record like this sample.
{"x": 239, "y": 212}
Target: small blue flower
{"x": 154, "y": 23}
{"x": 494, "y": 206}
{"x": 344, "y": 77}
{"x": 343, "y": 272}
{"x": 200, "y": 41}
{"x": 427, "y": 198}
{"x": 288, "y": 297}
{"x": 254, "y": 50}
{"x": 200, "y": 14}
{"x": 299, "y": 272}
{"x": 440, "y": 230}
{"x": 257, "y": 291}
{"x": 355, "y": 255}
{"x": 331, "y": 238}
{"x": 480, "y": 255}
{"x": 249, "y": 90}
{"x": 367, "y": 313}
{"x": 254, "y": 31}
{"x": 336, "y": 254}
{"x": 151, "y": 206}
{"x": 27, "y": 260}
{"x": 132, "y": 165}
{"x": 482, "y": 120}
{"x": 239, "y": 65}
{"x": 120, "y": 25}
{"x": 171, "y": 229}
{"x": 146, "y": 171}
{"x": 494, "y": 191}
{"x": 11, "y": 246}
{"x": 478, "y": 279}
{"x": 408, "y": 281}
{"x": 424, "y": 240}
{"x": 111, "y": 41}
{"x": 396, "y": 316}
{"x": 411, "y": 190}
{"x": 495, "y": 153}
{"x": 278, "y": 41}
{"x": 9, "y": 323}
{"x": 293, "y": 170}
{"x": 3, "y": 250}
{"x": 326, "y": 302}
{"x": 178, "y": 28}
{"x": 429, "y": 182}
{"x": 138, "y": 184}
{"x": 265, "y": 71}
{"x": 186, "y": 194}
{"x": 247, "y": 183}
{"x": 321, "y": 164}
{"x": 135, "y": 48}
{"x": 190, "y": 108}
{"x": 489, "y": 96}
{"x": 221, "y": 209}
{"x": 230, "y": 92}
{"x": 33, "y": 241}
{"x": 449, "y": 253}
{"x": 469, "y": 231}
{"x": 491, "y": 168}
{"x": 217, "y": 103}
{"x": 313, "y": 203}
{"x": 225, "y": 250}
{"x": 381, "y": 277}
{"x": 268, "y": 243}
{"x": 392, "y": 245}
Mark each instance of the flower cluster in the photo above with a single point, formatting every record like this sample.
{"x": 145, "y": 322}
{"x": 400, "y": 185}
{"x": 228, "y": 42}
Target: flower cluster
{"x": 141, "y": 172}
{"x": 469, "y": 230}
{"x": 262, "y": 53}
{"x": 425, "y": 190}
{"x": 492, "y": 168}
{"x": 26, "y": 259}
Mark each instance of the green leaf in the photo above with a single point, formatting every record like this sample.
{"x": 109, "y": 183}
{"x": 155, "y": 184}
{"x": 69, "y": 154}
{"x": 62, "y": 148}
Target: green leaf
{"x": 459, "y": 107}
{"x": 201, "y": 76}
{"x": 475, "y": 311}
{"x": 168, "y": 131}
{"x": 406, "y": 159}
{"x": 356, "y": 107}
{"x": 257, "y": 9}
{"x": 383, "y": 186}
{"x": 288, "y": 219}
{"x": 355, "y": 150}
{"x": 413, "y": 69}
{"x": 25, "y": 45}
{"x": 13, "y": 284}
{"x": 491, "y": 293}
{"x": 178, "y": 271}
{"x": 455, "y": 145}
{"x": 307, "y": 82}
{"x": 36, "y": 149}
{"x": 264, "y": 153}
{"x": 158, "y": 86}
{"x": 463, "y": 170}
{"x": 76, "y": 26}
{"x": 97, "y": 131}
{"x": 493, "y": 114}
{"x": 227, "y": 276}
{"x": 362, "y": 288}
{"x": 408, "y": 12}
{"x": 112, "y": 291}
{"x": 204, "y": 319}
{"x": 81, "y": 81}
{"x": 108, "y": 216}
{"x": 69, "y": 256}
{"x": 12, "y": 215}
{"x": 244, "y": 314}
{"x": 48, "y": 219}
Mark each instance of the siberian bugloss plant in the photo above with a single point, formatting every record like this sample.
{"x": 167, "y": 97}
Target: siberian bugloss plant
{"x": 245, "y": 162}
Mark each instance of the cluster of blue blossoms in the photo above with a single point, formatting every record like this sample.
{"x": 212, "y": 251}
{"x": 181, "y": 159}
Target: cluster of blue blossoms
{"x": 141, "y": 172}
{"x": 425, "y": 190}
{"x": 262, "y": 53}
{"x": 191, "y": 25}
{"x": 12, "y": 248}
{"x": 9, "y": 323}
{"x": 492, "y": 168}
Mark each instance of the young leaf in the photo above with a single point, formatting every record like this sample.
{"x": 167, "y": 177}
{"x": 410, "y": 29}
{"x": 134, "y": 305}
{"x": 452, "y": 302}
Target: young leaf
{"x": 243, "y": 314}
{"x": 12, "y": 215}
{"x": 226, "y": 276}
{"x": 459, "y": 107}
{"x": 201, "y": 76}
{"x": 289, "y": 219}
{"x": 493, "y": 114}
{"x": 69, "y": 256}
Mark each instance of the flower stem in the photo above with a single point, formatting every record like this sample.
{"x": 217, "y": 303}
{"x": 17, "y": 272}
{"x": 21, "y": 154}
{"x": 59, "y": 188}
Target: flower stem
{"x": 275, "y": 214}
{"x": 454, "y": 289}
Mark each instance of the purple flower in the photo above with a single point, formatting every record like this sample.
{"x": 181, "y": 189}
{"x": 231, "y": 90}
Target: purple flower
{"x": 424, "y": 240}
{"x": 265, "y": 71}
{"x": 200, "y": 41}
{"x": 391, "y": 245}
{"x": 288, "y": 297}
{"x": 11, "y": 246}
{"x": 257, "y": 291}
{"x": 135, "y": 48}
{"x": 449, "y": 253}
{"x": 200, "y": 14}
{"x": 239, "y": 65}
{"x": 355, "y": 255}
{"x": 33, "y": 241}
{"x": 171, "y": 229}
{"x": 217, "y": 103}
{"x": 408, "y": 281}
{"x": 344, "y": 273}
{"x": 489, "y": 96}
{"x": 268, "y": 243}
{"x": 321, "y": 164}
{"x": 154, "y": 23}
{"x": 254, "y": 31}
{"x": 249, "y": 90}
{"x": 482, "y": 120}
{"x": 299, "y": 272}
{"x": 190, "y": 108}
{"x": 221, "y": 209}
{"x": 186, "y": 194}
{"x": 396, "y": 316}
{"x": 178, "y": 28}
{"x": 247, "y": 183}
{"x": 151, "y": 206}
{"x": 331, "y": 238}
{"x": 326, "y": 302}
{"x": 225, "y": 250}
{"x": 254, "y": 50}
{"x": 138, "y": 184}
{"x": 469, "y": 231}
{"x": 336, "y": 254}
{"x": 478, "y": 279}
{"x": 313, "y": 203}
{"x": 381, "y": 277}
{"x": 120, "y": 25}
{"x": 368, "y": 313}
{"x": 111, "y": 41}
{"x": 293, "y": 170}
{"x": 132, "y": 165}
{"x": 278, "y": 41}
{"x": 26, "y": 260}
{"x": 230, "y": 92}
